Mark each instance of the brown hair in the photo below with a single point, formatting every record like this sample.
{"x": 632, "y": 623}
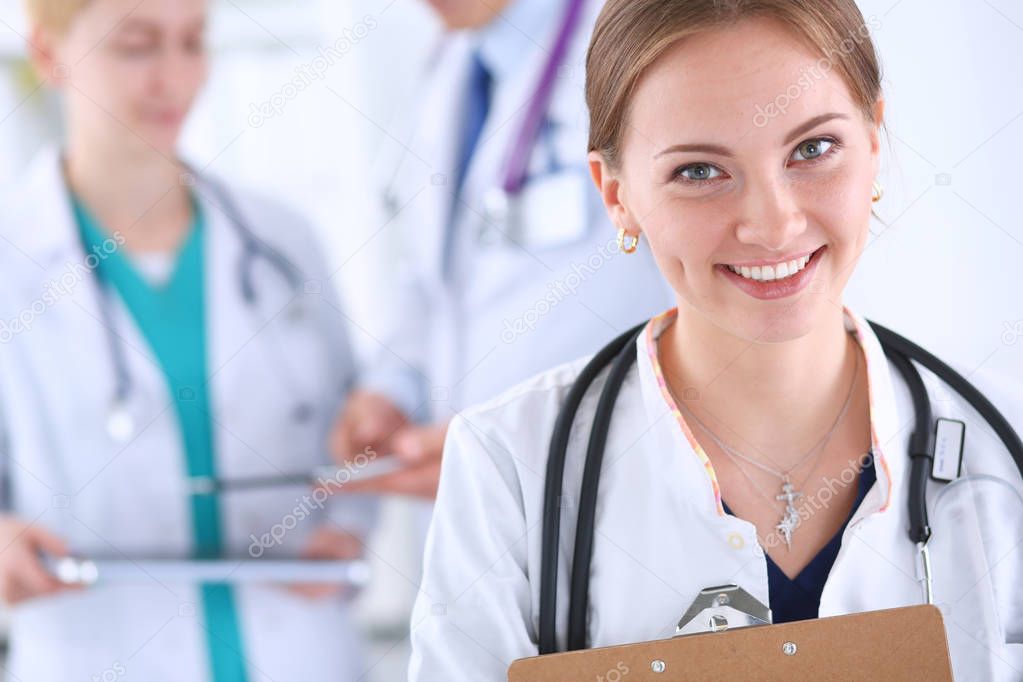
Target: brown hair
{"x": 55, "y": 15}
{"x": 631, "y": 34}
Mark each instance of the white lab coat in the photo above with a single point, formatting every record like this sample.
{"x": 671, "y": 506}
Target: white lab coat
{"x": 124, "y": 501}
{"x": 661, "y": 534}
{"x": 503, "y": 309}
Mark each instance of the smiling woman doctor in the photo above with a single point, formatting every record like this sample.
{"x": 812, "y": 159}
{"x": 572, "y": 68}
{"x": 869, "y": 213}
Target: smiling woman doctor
{"x": 160, "y": 328}
{"x": 762, "y": 437}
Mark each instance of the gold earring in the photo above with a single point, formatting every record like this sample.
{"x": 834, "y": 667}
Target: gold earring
{"x": 878, "y": 192}
{"x": 622, "y": 244}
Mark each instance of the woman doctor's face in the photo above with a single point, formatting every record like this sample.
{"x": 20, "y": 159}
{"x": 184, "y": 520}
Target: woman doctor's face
{"x": 724, "y": 164}
{"x": 131, "y": 71}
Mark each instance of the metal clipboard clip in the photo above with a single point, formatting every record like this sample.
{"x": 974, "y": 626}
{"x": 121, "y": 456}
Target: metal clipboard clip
{"x": 722, "y": 608}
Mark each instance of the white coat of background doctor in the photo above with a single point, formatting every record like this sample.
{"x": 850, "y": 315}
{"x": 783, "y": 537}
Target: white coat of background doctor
{"x": 279, "y": 369}
{"x": 482, "y": 305}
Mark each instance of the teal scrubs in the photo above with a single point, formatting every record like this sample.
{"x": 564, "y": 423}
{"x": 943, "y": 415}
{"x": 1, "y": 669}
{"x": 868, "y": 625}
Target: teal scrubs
{"x": 172, "y": 319}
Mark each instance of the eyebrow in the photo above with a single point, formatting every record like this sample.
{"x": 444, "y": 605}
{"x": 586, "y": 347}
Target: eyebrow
{"x": 134, "y": 25}
{"x": 724, "y": 151}
{"x": 137, "y": 27}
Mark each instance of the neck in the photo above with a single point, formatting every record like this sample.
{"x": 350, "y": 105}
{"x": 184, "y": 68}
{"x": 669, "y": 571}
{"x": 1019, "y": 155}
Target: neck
{"x": 775, "y": 399}
{"x": 137, "y": 193}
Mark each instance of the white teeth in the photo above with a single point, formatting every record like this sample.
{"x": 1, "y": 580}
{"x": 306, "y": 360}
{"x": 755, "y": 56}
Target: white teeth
{"x": 768, "y": 273}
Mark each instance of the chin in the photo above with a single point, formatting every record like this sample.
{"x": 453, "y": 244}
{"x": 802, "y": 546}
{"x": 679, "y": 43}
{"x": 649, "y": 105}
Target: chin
{"x": 448, "y": 15}
{"x": 162, "y": 139}
{"x": 779, "y": 321}
{"x": 457, "y": 15}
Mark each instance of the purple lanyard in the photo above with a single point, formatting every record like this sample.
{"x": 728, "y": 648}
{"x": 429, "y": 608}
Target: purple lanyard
{"x": 518, "y": 160}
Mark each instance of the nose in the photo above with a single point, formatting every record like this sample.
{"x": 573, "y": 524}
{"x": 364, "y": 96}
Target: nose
{"x": 173, "y": 72}
{"x": 771, "y": 216}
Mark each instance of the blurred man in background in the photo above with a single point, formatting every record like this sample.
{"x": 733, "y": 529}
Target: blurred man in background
{"x": 510, "y": 264}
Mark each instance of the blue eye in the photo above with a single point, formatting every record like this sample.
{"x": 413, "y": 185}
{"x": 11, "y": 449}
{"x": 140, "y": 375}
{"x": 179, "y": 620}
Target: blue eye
{"x": 697, "y": 172}
{"x": 808, "y": 151}
{"x": 813, "y": 149}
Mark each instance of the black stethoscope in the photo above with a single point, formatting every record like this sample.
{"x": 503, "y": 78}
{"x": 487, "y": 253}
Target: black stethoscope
{"x": 620, "y": 355}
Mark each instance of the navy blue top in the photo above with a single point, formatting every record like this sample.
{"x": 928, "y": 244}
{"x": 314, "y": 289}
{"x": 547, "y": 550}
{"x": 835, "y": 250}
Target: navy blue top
{"x": 800, "y": 598}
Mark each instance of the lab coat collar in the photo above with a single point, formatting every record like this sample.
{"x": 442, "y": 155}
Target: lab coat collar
{"x": 54, "y": 240}
{"x": 51, "y": 241}
{"x": 41, "y": 225}
{"x": 521, "y": 28}
{"x": 884, "y": 420}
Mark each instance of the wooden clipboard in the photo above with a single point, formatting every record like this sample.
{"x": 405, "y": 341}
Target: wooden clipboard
{"x": 903, "y": 644}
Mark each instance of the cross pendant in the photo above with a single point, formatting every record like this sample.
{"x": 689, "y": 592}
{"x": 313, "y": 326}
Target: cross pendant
{"x": 790, "y": 520}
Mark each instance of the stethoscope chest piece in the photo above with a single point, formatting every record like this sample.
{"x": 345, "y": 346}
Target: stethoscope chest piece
{"x": 120, "y": 424}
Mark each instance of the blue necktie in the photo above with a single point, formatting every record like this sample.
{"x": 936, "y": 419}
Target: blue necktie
{"x": 477, "y": 104}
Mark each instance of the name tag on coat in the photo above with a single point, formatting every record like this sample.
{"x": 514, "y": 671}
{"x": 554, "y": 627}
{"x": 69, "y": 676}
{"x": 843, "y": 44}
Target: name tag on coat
{"x": 551, "y": 210}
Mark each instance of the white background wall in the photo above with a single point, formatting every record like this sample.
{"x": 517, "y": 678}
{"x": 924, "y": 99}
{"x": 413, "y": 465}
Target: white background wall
{"x": 945, "y": 271}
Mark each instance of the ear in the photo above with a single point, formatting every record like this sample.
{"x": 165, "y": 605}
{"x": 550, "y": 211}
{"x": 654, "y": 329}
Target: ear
{"x": 42, "y": 54}
{"x": 610, "y": 187}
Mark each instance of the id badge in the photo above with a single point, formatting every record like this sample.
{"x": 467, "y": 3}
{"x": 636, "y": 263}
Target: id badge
{"x": 551, "y": 210}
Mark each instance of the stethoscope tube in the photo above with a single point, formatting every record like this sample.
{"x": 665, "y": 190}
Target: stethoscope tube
{"x": 921, "y": 446}
{"x": 253, "y": 247}
{"x": 553, "y": 487}
{"x": 120, "y": 423}
{"x": 898, "y": 349}
{"x": 579, "y": 597}
{"x": 1006, "y": 433}
{"x": 518, "y": 159}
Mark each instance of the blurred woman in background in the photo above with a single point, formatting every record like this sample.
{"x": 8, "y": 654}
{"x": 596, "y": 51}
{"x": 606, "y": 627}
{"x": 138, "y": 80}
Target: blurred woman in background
{"x": 160, "y": 330}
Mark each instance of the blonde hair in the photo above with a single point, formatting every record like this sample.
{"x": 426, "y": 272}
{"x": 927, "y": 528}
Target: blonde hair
{"x": 55, "y": 15}
{"x": 631, "y": 34}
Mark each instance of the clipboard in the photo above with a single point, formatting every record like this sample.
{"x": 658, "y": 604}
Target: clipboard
{"x": 88, "y": 572}
{"x": 906, "y": 644}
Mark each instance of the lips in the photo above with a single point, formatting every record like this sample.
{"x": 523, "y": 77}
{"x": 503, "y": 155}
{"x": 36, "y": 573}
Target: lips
{"x": 770, "y": 285}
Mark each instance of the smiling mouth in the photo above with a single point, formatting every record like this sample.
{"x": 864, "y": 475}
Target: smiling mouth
{"x": 774, "y": 273}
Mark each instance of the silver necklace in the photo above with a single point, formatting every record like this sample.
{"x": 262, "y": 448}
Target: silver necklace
{"x": 789, "y": 494}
